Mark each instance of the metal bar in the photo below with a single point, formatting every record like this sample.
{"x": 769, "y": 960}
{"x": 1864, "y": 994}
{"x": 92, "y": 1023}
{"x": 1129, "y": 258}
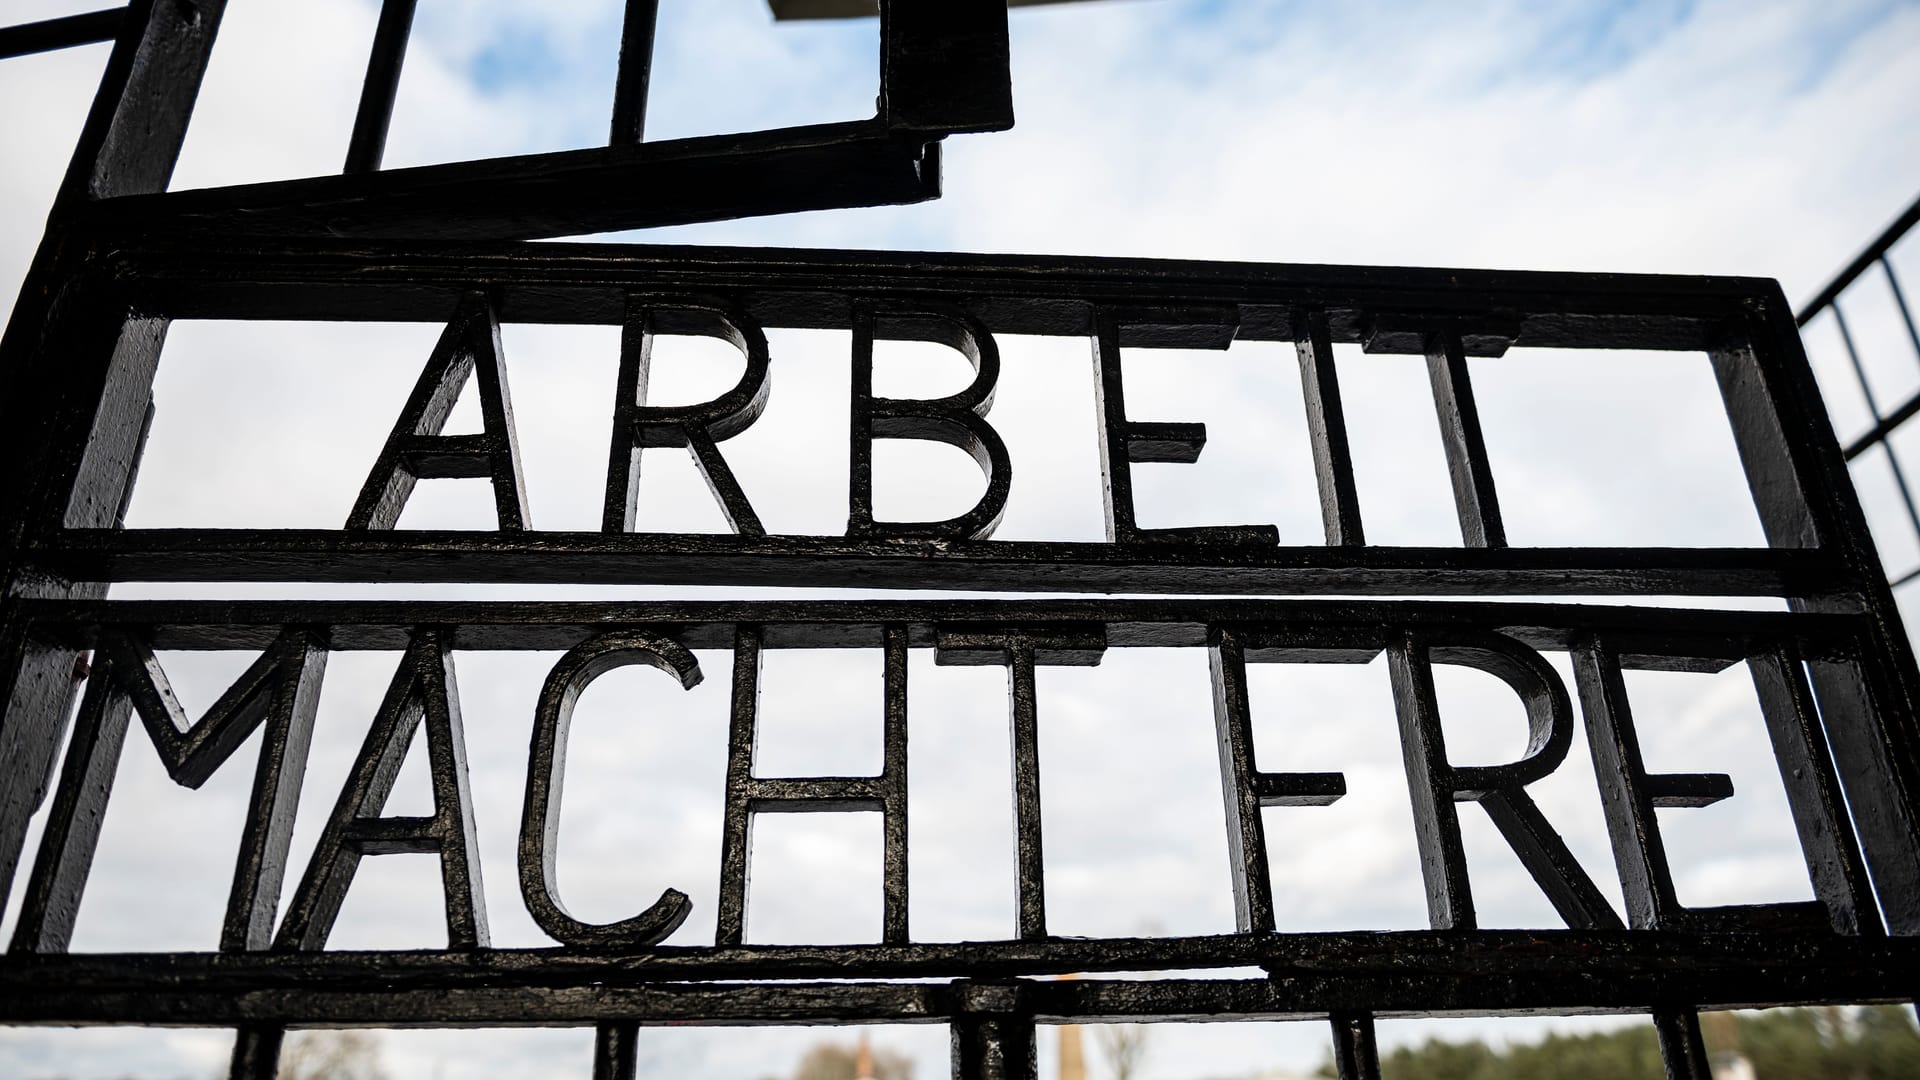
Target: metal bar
{"x": 1883, "y": 426}
{"x": 636, "y": 69}
{"x": 1466, "y": 448}
{"x": 413, "y": 280}
{"x": 1639, "y": 851}
{"x": 1873, "y": 252}
{"x": 943, "y": 67}
{"x": 1900, "y": 302}
{"x": 72, "y": 833}
{"x": 736, "y": 838}
{"x": 1389, "y": 974}
{"x": 1819, "y": 808}
{"x": 1875, "y": 730}
{"x": 133, "y": 133}
{"x": 638, "y": 558}
{"x": 1030, "y": 862}
{"x": 1355, "y": 1054}
{"x": 824, "y": 167}
{"x": 382, "y": 84}
{"x": 1689, "y": 959}
{"x": 256, "y": 1051}
{"x": 72, "y": 368}
{"x": 893, "y": 777}
{"x": 1853, "y": 357}
{"x": 1701, "y": 639}
{"x": 83, "y": 29}
{"x": 1681, "y": 1046}
{"x": 1246, "y": 831}
{"x": 615, "y": 1051}
{"x": 1327, "y": 431}
{"x": 995, "y": 1046}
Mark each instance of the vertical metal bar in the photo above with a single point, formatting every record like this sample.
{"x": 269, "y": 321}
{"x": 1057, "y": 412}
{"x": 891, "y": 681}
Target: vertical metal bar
{"x": 1639, "y": 852}
{"x": 625, "y": 453}
{"x": 1767, "y": 456}
{"x": 1853, "y": 356}
{"x": 894, "y": 930}
{"x": 92, "y": 465}
{"x": 1354, "y": 1051}
{"x": 1856, "y": 714}
{"x": 736, "y": 840}
{"x": 1030, "y": 864}
{"x": 369, "y": 141}
{"x": 1813, "y": 791}
{"x": 256, "y": 1052}
{"x": 1466, "y": 448}
{"x": 943, "y": 66}
{"x": 1110, "y": 407}
{"x": 1246, "y": 831}
{"x": 1870, "y": 709}
{"x": 138, "y": 122}
{"x": 67, "y": 847}
{"x": 57, "y": 381}
{"x": 616, "y": 1051}
{"x": 995, "y": 1046}
{"x": 1436, "y": 818}
{"x": 1681, "y": 1046}
{"x": 1327, "y": 431}
{"x": 636, "y": 71}
{"x": 1900, "y": 302}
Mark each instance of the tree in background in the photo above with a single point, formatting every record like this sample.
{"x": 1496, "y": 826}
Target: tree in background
{"x": 1123, "y": 1045}
{"x": 332, "y": 1055}
{"x": 835, "y": 1061}
{"x": 1872, "y": 1043}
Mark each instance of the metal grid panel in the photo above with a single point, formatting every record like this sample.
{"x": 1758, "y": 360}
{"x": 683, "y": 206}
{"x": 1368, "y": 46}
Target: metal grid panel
{"x": 1888, "y": 418}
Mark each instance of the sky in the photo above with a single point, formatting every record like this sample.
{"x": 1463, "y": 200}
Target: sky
{"x": 1767, "y": 138}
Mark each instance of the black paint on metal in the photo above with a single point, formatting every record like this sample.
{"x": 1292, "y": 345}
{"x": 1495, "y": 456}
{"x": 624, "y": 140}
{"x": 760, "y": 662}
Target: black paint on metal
{"x": 416, "y": 450}
{"x": 636, "y": 71}
{"x": 86, "y": 28}
{"x": 375, "y": 115}
{"x": 1834, "y": 672}
{"x": 700, "y": 428}
{"x": 423, "y": 693}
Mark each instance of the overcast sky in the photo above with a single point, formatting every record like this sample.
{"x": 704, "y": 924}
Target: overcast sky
{"x": 1757, "y": 137}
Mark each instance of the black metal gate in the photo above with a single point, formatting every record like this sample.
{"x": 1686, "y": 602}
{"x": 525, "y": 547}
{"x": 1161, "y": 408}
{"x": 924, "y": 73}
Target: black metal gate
{"x": 1834, "y": 673}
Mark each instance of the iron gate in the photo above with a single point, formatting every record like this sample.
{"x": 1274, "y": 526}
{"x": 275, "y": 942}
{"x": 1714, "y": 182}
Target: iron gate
{"x": 1833, "y": 673}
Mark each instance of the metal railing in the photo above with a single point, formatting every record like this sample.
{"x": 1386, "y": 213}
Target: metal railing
{"x": 1833, "y": 671}
{"x": 1886, "y": 421}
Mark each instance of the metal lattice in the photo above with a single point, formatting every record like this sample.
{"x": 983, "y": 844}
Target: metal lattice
{"x": 1833, "y": 672}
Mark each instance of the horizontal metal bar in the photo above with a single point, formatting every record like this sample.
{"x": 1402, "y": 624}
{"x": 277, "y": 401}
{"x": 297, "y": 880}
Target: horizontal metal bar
{"x": 82, "y": 29}
{"x": 1880, "y": 245}
{"x": 1423, "y": 973}
{"x": 1689, "y": 639}
{"x": 1021, "y": 566}
{"x": 586, "y": 283}
{"x": 815, "y": 794}
{"x": 827, "y": 166}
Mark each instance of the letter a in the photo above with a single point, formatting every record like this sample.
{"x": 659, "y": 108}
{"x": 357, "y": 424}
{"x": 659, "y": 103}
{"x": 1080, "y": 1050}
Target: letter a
{"x": 417, "y": 451}
{"x": 422, "y": 689}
